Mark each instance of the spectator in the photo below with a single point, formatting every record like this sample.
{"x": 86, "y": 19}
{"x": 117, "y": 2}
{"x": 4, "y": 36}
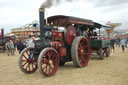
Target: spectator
{"x": 15, "y": 45}
{"x": 112, "y": 43}
{"x": 7, "y": 46}
{"x": 117, "y": 42}
{"x": 123, "y": 42}
{"x": 95, "y": 34}
{"x": 20, "y": 46}
{"x": 31, "y": 43}
{"x": 12, "y": 47}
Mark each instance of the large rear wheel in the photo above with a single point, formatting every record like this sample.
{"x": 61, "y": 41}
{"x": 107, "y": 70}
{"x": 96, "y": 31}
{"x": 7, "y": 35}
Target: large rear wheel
{"x": 27, "y": 62}
{"x": 80, "y": 51}
{"x": 48, "y": 61}
{"x": 107, "y": 51}
{"x": 101, "y": 54}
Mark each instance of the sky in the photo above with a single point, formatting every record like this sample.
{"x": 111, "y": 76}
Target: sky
{"x": 16, "y": 13}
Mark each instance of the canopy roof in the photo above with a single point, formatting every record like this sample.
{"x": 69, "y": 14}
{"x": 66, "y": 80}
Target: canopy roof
{"x": 61, "y": 20}
{"x": 97, "y": 25}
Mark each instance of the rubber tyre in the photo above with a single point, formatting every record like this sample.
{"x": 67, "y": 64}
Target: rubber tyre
{"x": 22, "y": 66}
{"x": 107, "y": 52}
{"x": 101, "y": 54}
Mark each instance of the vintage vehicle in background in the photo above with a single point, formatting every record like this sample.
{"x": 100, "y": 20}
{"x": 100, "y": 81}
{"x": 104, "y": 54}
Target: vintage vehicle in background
{"x": 55, "y": 46}
{"x": 2, "y": 40}
{"x": 98, "y": 43}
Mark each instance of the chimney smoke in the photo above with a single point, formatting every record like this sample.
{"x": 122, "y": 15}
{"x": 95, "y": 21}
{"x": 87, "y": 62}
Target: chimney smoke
{"x": 49, "y": 3}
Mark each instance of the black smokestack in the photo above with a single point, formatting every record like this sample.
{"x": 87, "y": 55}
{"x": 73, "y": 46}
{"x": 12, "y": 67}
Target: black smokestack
{"x": 49, "y": 3}
{"x": 2, "y": 32}
{"x": 41, "y": 18}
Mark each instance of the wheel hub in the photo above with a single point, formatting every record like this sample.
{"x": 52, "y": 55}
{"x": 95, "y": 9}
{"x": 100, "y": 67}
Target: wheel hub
{"x": 82, "y": 51}
{"x": 50, "y": 62}
{"x": 29, "y": 60}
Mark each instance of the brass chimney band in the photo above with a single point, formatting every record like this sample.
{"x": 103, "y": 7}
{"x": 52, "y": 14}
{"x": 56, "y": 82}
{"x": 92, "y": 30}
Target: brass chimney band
{"x": 41, "y": 10}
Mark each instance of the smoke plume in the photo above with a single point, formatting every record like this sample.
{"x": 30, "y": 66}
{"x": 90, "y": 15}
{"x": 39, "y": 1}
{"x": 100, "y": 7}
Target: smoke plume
{"x": 49, "y": 3}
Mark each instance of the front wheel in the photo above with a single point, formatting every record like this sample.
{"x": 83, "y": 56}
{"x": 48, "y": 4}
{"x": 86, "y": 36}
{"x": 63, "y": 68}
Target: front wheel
{"x": 27, "y": 62}
{"x": 48, "y": 61}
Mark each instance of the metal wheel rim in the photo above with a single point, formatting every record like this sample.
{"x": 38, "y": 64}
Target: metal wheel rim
{"x": 83, "y": 57}
{"x": 27, "y": 64}
{"x": 48, "y": 62}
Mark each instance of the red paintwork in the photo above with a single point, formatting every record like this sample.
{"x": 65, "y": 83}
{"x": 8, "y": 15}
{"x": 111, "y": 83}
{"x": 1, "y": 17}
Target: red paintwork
{"x": 62, "y": 51}
{"x": 70, "y": 34}
{"x": 49, "y": 63}
{"x": 83, "y": 52}
{"x": 57, "y": 44}
{"x": 58, "y": 35}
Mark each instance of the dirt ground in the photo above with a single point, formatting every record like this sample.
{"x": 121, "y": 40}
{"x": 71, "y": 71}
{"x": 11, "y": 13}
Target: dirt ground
{"x": 110, "y": 71}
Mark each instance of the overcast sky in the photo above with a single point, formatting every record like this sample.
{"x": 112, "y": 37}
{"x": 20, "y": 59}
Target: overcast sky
{"x": 16, "y": 13}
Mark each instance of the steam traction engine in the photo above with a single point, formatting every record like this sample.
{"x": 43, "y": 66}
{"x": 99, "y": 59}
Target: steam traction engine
{"x": 2, "y": 40}
{"x": 57, "y": 46}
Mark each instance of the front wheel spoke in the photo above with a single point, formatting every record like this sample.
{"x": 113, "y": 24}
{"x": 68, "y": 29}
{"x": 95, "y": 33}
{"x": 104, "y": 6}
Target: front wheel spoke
{"x": 44, "y": 61}
{"x": 49, "y": 55}
{"x": 44, "y": 67}
{"x": 32, "y": 66}
{"x": 27, "y": 66}
{"x": 24, "y": 60}
{"x": 50, "y": 67}
{"x": 27, "y": 53}
{"x": 24, "y": 63}
{"x": 25, "y": 56}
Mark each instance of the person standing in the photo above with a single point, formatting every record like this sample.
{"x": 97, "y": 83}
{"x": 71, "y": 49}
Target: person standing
{"x": 123, "y": 42}
{"x": 112, "y": 45}
{"x": 7, "y": 46}
{"x": 31, "y": 43}
{"x": 12, "y": 47}
{"x": 20, "y": 46}
{"x": 118, "y": 42}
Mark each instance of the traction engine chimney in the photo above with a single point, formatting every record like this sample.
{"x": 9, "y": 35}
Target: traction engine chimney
{"x": 41, "y": 19}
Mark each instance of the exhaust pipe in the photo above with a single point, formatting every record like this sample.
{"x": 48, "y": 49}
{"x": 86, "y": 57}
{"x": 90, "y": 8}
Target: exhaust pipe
{"x": 41, "y": 19}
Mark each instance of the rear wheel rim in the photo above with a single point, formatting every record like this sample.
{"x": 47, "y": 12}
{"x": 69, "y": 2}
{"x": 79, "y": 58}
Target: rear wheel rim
{"x": 83, "y": 52}
{"x": 49, "y": 62}
{"x": 107, "y": 52}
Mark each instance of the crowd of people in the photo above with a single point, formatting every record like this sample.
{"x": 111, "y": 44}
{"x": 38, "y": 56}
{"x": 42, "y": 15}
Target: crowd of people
{"x": 119, "y": 43}
{"x": 19, "y": 45}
